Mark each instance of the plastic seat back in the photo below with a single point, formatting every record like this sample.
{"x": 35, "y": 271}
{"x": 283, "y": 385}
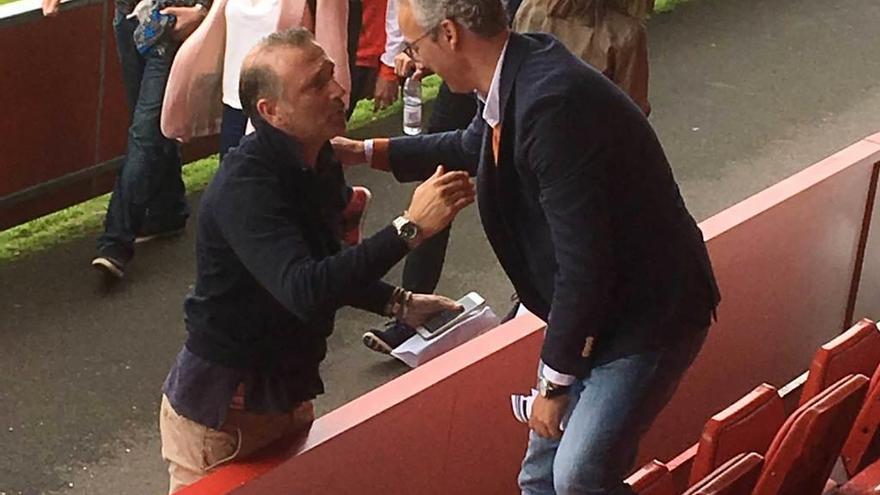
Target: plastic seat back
{"x": 652, "y": 479}
{"x": 856, "y": 350}
{"x": 801, "y": 456}
{"x": 748, "y": 425}
{"x": 737, "y": 476}
{"x": 862, "y": 447}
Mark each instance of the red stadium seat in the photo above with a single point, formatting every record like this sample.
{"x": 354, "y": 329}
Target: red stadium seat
{"x": 652, "y": 479}
{"x": 680, "y": 468}
{"x": 748, "y": 425}
{"x": 863, "y": 483}
{"x": 855, "y": 351}
{"x": 735, "y": 477}
{"x": 862, "y": 447}
{"x": 803, "y": 453}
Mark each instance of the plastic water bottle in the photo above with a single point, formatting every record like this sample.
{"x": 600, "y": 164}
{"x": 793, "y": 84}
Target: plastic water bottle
{"x": 412, "y": 107}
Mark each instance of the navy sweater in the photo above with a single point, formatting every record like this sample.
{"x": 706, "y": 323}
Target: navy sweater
{"x": 271, "y": 268}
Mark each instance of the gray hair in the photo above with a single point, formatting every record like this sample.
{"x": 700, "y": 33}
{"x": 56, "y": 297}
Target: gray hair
{"x": 258, "y": 79}
{"x": 485, "y": 18}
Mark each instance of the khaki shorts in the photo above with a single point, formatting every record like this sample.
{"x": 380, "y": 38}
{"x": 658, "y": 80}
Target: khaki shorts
{"x": 193, "y": 450}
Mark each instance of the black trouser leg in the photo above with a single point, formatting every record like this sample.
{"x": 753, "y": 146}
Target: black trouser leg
{"x": 421, "y": 270}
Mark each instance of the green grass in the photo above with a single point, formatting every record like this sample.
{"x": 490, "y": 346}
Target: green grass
{"x": 363, "y": 113}
{"x": 86, "y": 217}
{"x": 661, "y": 6}
{"x": 83, "y": 218}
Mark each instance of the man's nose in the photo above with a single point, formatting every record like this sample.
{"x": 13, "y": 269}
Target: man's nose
{"x": 338, "y": 90}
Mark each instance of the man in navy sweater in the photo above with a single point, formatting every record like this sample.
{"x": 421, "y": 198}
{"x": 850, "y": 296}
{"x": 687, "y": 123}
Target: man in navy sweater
{"x": 272, "y": 270}
{"x": 580, "y": 205}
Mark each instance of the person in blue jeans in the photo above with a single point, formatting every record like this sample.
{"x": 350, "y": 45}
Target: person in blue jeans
{"x": 581, "y": 207}
{"x": 607, "y": 414}
{"x": 148, "y": 200}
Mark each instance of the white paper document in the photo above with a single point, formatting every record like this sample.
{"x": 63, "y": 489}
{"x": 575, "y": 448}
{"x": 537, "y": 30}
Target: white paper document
{"x": 417, "y": 350}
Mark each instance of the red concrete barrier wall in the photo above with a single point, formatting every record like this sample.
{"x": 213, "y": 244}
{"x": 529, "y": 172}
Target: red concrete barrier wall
{"x": 867, "y": 302}
{"x": 49, "y": 94}
{"x": 787, "y": 260}
{"x": 443, "y": 428}
{"x": 64, "y": 110}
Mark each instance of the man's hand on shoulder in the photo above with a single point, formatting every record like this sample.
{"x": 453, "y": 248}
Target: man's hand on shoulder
{"x": 349, "y": 151}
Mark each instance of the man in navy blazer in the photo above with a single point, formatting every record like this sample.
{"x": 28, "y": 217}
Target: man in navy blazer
{"x": 580, "y": 205}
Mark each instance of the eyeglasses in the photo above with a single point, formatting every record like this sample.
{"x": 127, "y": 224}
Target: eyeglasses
{"x": 412, "y": 49}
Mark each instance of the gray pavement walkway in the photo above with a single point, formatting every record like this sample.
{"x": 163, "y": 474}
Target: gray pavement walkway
{"x": 744, "y": 93}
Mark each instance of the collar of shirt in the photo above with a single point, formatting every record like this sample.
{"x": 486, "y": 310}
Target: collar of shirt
{"x": 492, "y": 101}
{"x": 288, "y": 149}
{"x": 319, "y": 188}
{"x": 274, "y": 140}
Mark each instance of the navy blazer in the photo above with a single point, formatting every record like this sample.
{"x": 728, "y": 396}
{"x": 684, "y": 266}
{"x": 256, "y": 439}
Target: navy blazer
{"x": 582, "y": 209}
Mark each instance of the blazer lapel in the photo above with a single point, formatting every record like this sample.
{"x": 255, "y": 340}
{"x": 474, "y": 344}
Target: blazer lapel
{"x": 517, "y": 50}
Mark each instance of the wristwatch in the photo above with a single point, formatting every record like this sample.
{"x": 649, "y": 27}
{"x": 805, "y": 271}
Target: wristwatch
{"x": 548, "y": 389}
{"x": 406, "y": 229}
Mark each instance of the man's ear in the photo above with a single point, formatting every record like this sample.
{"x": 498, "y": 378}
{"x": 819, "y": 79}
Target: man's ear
{"x": 449, "y": 31}
{"x": 268, "y": 110}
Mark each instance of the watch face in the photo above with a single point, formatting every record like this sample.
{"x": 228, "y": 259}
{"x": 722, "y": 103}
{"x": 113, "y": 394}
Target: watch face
{"x": 543, "y": 388}
{"x": 409, "y": 231}
{"x": 549, "y": 389}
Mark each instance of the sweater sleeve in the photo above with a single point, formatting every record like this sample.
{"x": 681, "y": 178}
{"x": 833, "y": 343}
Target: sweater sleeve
{"x": 273, "y": 249}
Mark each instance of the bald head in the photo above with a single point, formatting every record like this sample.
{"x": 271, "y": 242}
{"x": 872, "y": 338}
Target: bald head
{"x": 259, "y": 71}
{"x": 287, "y": 80}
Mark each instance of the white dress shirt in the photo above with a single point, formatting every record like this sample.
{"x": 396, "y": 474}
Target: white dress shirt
{"x": 492, "y": 100}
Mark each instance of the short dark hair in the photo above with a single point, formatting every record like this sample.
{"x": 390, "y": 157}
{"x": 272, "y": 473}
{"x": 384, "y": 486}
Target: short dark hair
{"x": 258, "y": 79}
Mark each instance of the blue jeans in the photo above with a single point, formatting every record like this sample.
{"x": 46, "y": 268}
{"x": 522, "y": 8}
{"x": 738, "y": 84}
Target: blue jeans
{"x": 608, "y": 413}
{"x": 149, "y": 194}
